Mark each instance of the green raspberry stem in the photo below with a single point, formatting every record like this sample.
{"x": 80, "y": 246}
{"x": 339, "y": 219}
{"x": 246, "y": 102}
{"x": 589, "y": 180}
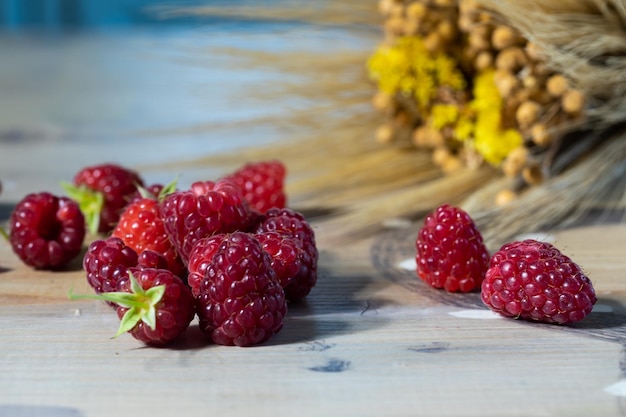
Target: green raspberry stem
{"x": 141, "y": 304}
{"x": 90, "y": 202}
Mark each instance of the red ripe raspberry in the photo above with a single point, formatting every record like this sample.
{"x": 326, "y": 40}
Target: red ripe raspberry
{"x": 262, "y": 184}
{"x": 241, "y": 301}
{"x": 292, "y": 224}
{"x": 102, "y": 192}
{"x": 140, "y": 226}
{"x": 450, "y": 251}
{"x": 208, "y": 208}
{"x": 151, "y": 259}
{"x": 154, "y": 305}
{"x": 166, "y": 306}
{"x": 534, "y": 281}
{"x": 106, "y": 262}
{"x": 291, "y": 263}
{"x": 199, "y": 259}
{"x": 46, "y": 231}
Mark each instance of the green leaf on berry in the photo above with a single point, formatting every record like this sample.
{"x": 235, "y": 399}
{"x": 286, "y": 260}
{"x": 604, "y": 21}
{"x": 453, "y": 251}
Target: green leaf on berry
{"x": 141, "y": 304}
{"x": 89, "y": 201}
{"x": 169, "y": 188}
{"x": 4, "y": 234}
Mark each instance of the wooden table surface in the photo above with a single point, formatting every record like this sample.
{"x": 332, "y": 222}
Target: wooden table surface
{"x": 370, "y": 340}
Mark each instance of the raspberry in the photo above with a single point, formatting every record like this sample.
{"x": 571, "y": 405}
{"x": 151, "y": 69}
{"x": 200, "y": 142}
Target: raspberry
{"x": 151, "y": 259}
{"x": 208, "y": 208}
{"x": 106, "y": 262}
{"x": 154, "y": 305}
{"x": 140, "y": 226}
{"x": 290, "y": 262}
{"x": 450, "y": 251}
{"x": 199, "y": 259}
{"x": 534, "y": 281}
{"x": 241, "y": 301}
{"x": 172, "y": 313}
{"x": 46, "y": 231}
{"x": 262, "y": 184}
{"x": 102, "y": 192}
{"x": 290, "y": 223}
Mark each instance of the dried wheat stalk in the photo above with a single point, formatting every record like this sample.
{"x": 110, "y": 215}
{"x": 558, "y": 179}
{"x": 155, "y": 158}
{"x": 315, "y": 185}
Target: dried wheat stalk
{"x": 335, "y": 162}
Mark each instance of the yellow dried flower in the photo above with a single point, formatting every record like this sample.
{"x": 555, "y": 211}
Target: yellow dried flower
{"x": 490, "y": 141}
{"x": 388, "y": 66}
{"x": 480, "y": 123}
{"x": 464, "y": 129}
{"x": 442, "y": 115}
{"x": 446, "y": 71}
{"x": 409, "y": 68}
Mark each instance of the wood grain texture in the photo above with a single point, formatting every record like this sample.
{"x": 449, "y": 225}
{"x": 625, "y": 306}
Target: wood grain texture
{"x": 369, "y": 341}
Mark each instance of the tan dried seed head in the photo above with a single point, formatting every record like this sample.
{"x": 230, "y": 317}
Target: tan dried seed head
{"x": 515, "y": 161}
{"x": 504, "y": 197}
{"x": 557, "y": 85}
{"x": 382, "y": 101}
{"x": 385, "y": 134}
{"x": 506, "y": 83}
{"x": 504, "y": 37}
{"x": 433, "y": 42}
{"x": 532, "y": 174}
{"x": 416, "y": 11}
{"x": 511, "y": 59}
{"x": 527, "y": 113}
{"x": 483, "y": 61}
{"x": 540, "y": 134}
{"x": 573, "y": 102}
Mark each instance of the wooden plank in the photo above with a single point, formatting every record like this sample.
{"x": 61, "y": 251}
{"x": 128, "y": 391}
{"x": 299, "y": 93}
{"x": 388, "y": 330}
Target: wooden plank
{"x": 369, "y": 341}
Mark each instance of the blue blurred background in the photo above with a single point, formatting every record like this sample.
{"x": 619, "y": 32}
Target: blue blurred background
{"x": 89, "y": 81}
{"x": 54, "y": 15}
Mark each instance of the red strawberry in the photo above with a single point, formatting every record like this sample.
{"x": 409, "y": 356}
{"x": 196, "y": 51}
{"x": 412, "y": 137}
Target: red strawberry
{"x": 292, "y": 224}
{"x": 199, "y": 259}
{"x": 208, "y": 208}
{"x": 450, "y": 251}
{"x": 154, "y": 305}
{"x": 140, "y": 226}
{"x": 46, "y": 231}
{"x": 102, "y": 192}
{"x": 534, "y": 281}
{"x": 241, "y": 301}
{"x": 262, "y": 184}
